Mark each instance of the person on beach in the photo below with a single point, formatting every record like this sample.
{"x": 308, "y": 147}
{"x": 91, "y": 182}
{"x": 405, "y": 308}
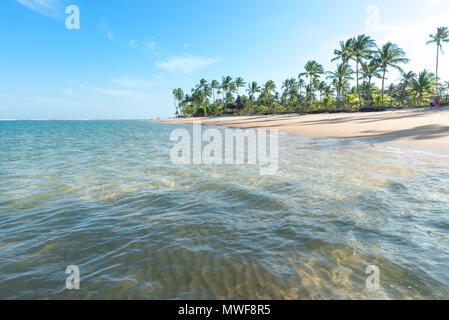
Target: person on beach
{"x": 437, "y": 102}
{"x": 431, "y": 102}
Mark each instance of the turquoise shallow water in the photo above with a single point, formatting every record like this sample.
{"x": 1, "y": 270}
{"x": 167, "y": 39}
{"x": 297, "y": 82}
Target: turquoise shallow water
{"x": 103, "y": 195}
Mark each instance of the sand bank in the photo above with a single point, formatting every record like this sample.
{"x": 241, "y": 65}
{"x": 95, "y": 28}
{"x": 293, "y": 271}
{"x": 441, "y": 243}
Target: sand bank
{"x": 416, "y": 129}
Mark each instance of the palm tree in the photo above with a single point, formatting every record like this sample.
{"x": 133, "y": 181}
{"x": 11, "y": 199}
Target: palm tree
{"x": 390, "y": 55}
{"x": 341, "y": 77}
{"x": 239, "y": 83}
{"x": 360, "y": 49}
{"x": 321, "y": 87}
{"x": 267, "y": 89}
{"x": 178, "y": 96}
{"x": 203, "y": 83}
{"x": 253, "y": 88}
{"x": 286, "y": 87}
{"x": 301, "y": 84}
{"x": 369, "y": 71}
{"x": 290, "y": 88}
{"x": 422, "y": 85}
{"x": 207, "y": 92}
{"x": 175, "y": 92}
{"x": 232, "y": 89}
{"x": 313, "y": 70}
{"x": 406, "y": 78}
{"x": 214, "y": 85}
{"x": 439, "y": 38}
{"x": 225, "y": 85}
{"x": 344, "y": 53}
{"x": 447, "y": 89}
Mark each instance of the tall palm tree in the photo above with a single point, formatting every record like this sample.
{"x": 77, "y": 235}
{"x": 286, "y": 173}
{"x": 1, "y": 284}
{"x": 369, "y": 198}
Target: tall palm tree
{"x": 253, "y": 88}
{"x": 232, "y": 89}
{"x": 361, "y": 49}
{"x": 422, "y": 85}
{"x": 301, "y": 84}
{"x": 389, "y": 56}
{"x": 175, "y": 92}
{"x": 406, "y": 78}
{"x": 202, "y": 84}
{"x": 371, "y": 70}
{"x": 225, "y": 85}
{"x": 321, "y": 87}
{"x": 239, "y": 83}
{"x": 178, "y": 96}
{"x": 267, "y": 89}
{"x": 290, "y": 87}
{"x": 439, "y": 38}
{"x": 344, "y": 53}
{"x": 286, "y": 87}
{"x": 340, "y": 77}
{"x": 313, "y": 70}
{"x": 205, "y": 91}
{"x": 214, "y": 85}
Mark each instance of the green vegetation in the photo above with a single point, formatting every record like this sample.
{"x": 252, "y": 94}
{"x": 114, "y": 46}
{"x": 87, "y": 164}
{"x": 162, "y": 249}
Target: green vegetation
{"x": 315, "y": 90}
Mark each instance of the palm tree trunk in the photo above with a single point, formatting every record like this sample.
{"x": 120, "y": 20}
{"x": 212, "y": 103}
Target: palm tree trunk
{"x": 176, "y": 107}
{"x": 358, "y": 92}
{"x": 436, "y": 73}
{"x": 369, "y": 90}
{"x": 383, "y": 86}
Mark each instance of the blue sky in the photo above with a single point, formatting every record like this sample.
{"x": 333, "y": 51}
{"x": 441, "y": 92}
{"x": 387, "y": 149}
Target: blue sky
{"x": 129, "y": 54}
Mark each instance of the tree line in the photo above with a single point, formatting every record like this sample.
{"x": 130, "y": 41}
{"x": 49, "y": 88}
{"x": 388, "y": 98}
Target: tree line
{"x": 350, "y": 87}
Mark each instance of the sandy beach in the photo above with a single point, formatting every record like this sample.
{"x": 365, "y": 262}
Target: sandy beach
{"x": 416, "y": 129}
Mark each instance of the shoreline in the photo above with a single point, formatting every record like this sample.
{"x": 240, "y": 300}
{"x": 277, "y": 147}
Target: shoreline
{"x": 423, "y": 129}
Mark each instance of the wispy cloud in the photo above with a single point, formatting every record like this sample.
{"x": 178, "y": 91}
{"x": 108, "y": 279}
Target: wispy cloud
{"x": 49, "y": 8}
{"x": 186, "y": 64}
{"x": 412, "y": 38}
{"x": 104, "y": 27}
{"x": 133, "y": 43}
{"x": 154, "y": 47}
{"x": 110, "y": 36}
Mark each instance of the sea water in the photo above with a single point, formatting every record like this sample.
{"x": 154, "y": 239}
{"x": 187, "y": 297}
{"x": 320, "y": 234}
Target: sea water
{"x": 105, "y": 197}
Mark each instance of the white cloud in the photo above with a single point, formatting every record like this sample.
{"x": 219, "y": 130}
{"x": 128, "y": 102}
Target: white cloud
{"x": 412, "y": 38}
{"x": 50, "y": 8}
{"x": 110, "y": 36}
{"x": 153, "y": 46}
{"x": 133, "y": 43}
{"x": 104, "y": 27}
{"x": 187, "y": 64}
{"x": 150, "y": 44}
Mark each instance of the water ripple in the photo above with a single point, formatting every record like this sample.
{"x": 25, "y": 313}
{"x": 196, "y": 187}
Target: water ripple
{"x": 105, "y": 197}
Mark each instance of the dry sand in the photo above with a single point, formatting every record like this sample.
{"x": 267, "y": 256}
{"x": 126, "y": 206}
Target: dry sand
{"x": 417, "y": 129}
